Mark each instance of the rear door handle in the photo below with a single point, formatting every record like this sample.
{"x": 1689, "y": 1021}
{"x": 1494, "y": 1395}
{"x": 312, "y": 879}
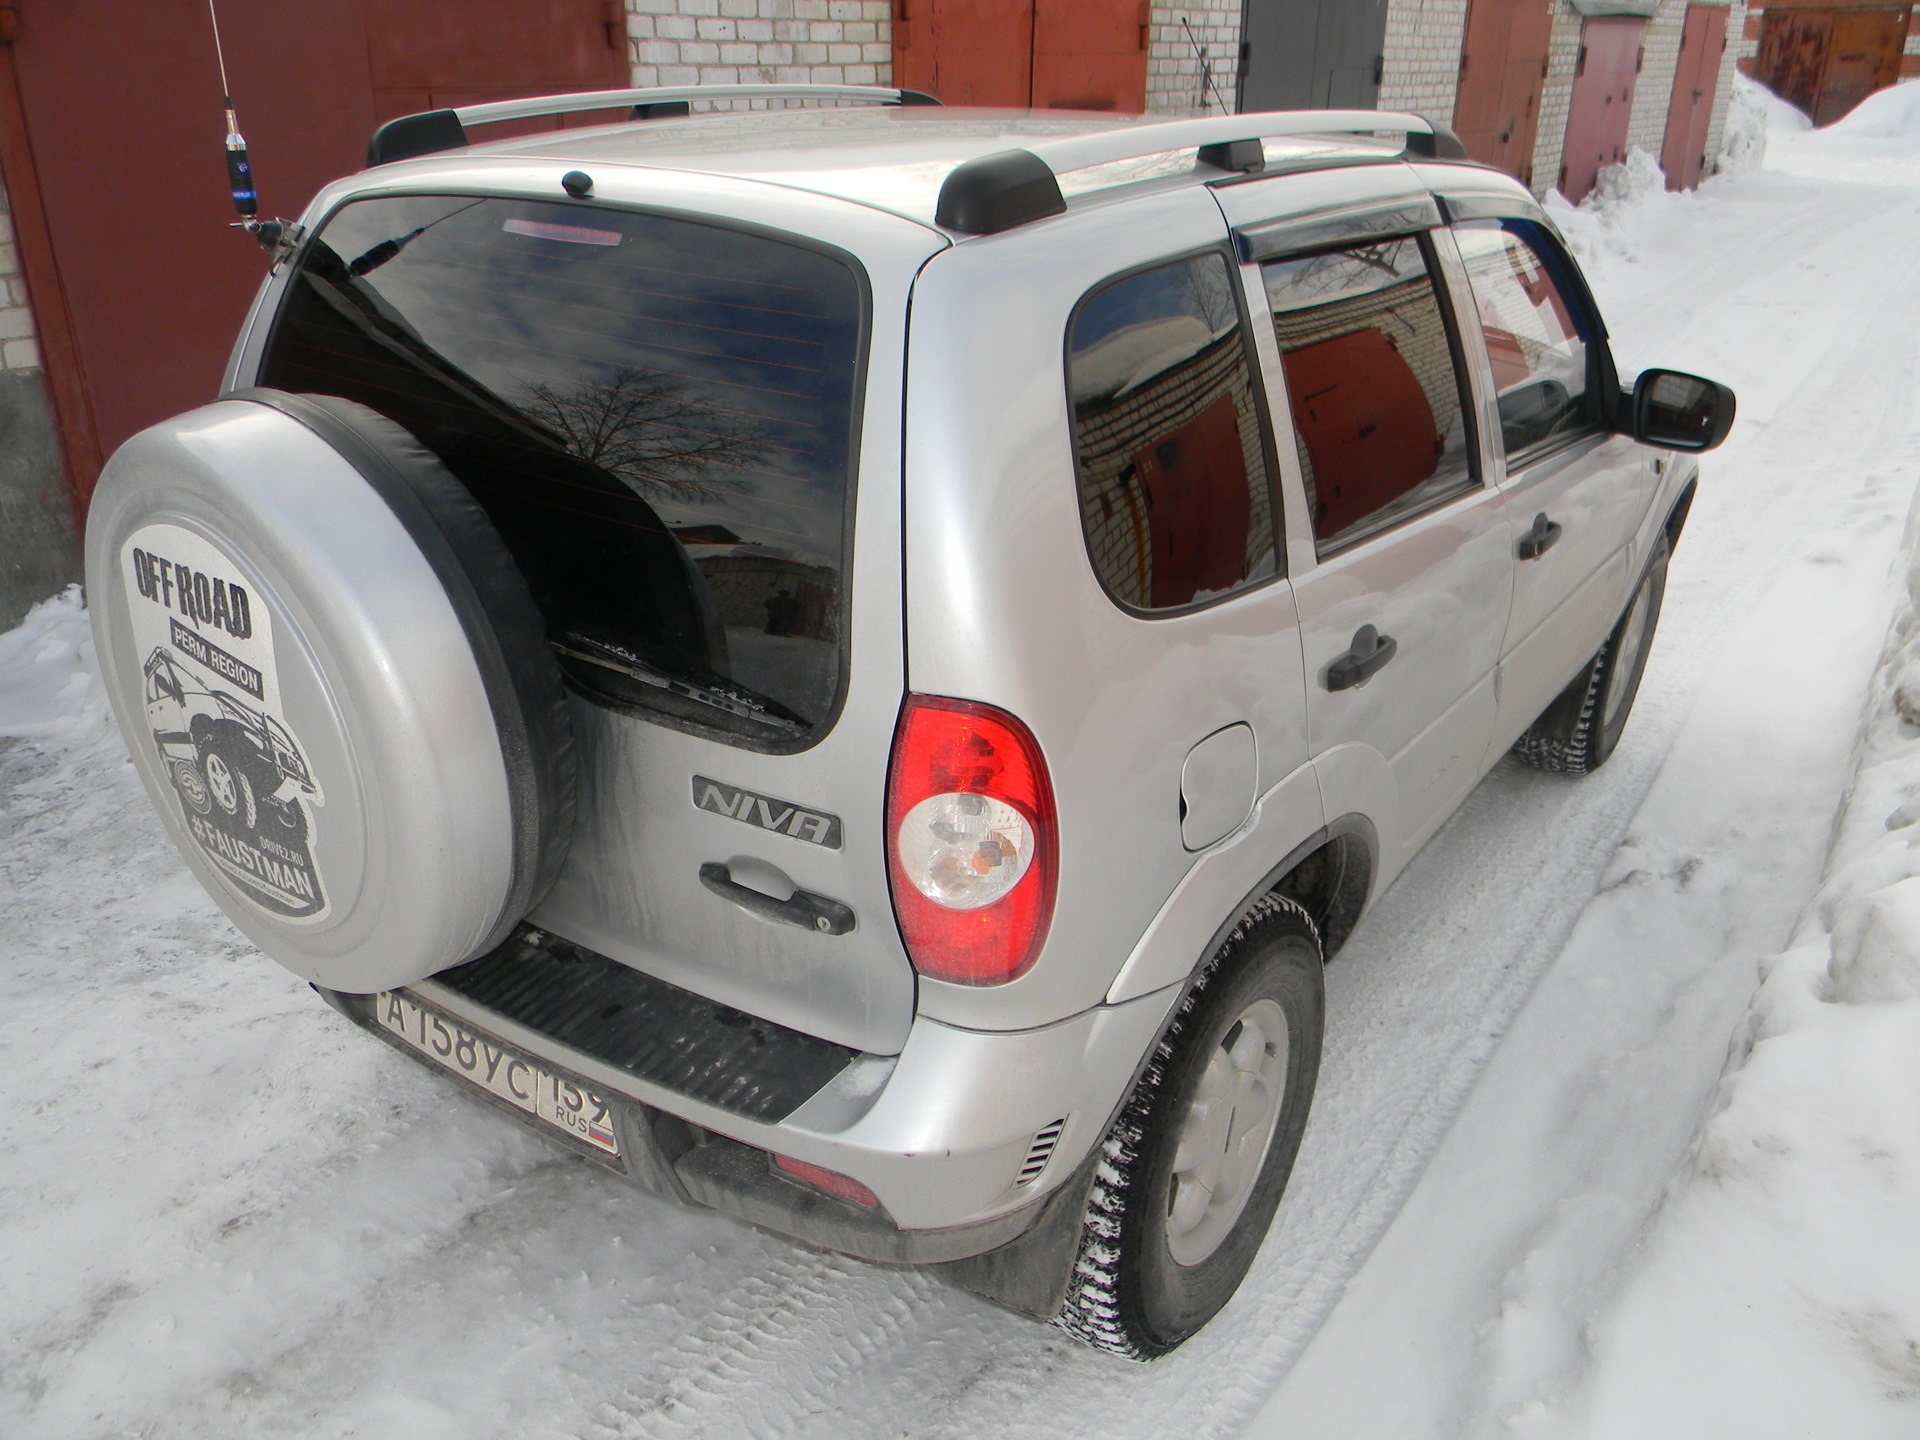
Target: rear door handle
{"x": 1368, "y": 656}
{"x": 1544, "y": 535}
{"x": 802, "y": 908}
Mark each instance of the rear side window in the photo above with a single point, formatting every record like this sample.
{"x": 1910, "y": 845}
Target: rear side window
{"x": 1174, "y": 496}
{"x": 658, "y": 415}
{"x": 1374, "y": 383}
{"x": 1539, "y": 336}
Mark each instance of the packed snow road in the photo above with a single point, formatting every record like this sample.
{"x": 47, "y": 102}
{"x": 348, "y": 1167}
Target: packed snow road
{"x": 224, "y": 1212}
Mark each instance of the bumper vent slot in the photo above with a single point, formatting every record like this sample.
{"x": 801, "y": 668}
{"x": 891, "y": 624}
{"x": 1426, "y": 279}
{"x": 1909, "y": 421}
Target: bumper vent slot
{"x": 1040, "y": 1152}
{"x": 652, "y": 1030}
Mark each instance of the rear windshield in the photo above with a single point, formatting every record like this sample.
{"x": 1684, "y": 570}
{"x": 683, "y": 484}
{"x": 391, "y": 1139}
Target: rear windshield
{"x": 659, "y": 415}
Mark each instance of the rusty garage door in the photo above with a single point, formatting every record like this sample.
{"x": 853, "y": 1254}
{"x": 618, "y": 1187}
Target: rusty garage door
{"x": 1696, "y": 78}
{"x": 1503, "y": 69}
{"x": 110, "y": 144}
{"x": 1602, "y": 103}
{"x": 1038, "y": 54}
{"x": 1826, "y": 61}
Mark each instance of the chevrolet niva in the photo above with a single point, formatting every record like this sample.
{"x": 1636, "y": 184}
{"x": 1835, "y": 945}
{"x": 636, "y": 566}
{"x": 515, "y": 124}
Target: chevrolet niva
{"x": 862, "y": 657}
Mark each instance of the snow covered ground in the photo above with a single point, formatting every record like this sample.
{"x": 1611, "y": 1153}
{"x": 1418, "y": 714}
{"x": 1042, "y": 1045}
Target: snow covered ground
{"x": 1573, "y": 1169}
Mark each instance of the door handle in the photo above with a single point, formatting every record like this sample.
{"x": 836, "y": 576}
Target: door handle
{"x": 802, "y": 908}
{"x": 1544, "y": 535}
{"x": 1368, "y": 656}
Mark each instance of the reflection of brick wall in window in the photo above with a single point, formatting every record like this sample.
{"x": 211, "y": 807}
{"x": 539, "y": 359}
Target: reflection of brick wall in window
{"x": 1498, "y": 286}
{"x": 1109, "y": 434}
{"x": 1408, "y": 314}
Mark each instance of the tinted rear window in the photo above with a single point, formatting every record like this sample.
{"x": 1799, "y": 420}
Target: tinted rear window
{"x": 659, "y": 415}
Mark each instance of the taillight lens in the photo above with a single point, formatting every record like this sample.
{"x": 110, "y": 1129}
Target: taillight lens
{"x": 973, "y": 845}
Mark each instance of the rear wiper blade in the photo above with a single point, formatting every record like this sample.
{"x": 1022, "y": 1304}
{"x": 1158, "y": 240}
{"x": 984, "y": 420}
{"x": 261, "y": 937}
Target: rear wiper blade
{"x": 735, "y": 699}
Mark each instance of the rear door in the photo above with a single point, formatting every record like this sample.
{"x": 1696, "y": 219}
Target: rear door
{"x": 1401, "y": 556}
{"x": 1576, "y": 489}
{"x": 672, "y": 422}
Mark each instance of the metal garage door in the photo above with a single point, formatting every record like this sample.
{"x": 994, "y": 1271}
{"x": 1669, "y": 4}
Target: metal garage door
{"x": 1313, "y": 54}
{"x": 110, "y": 136}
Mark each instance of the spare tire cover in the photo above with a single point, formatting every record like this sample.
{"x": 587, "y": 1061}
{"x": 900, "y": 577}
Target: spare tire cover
{"x": 334, "y": 684}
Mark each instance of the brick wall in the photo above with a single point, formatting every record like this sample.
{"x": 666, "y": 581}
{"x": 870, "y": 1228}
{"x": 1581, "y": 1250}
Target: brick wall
{"x": 1422, "y": 65}
{"x": 18, "y": 349}
{"x": 1174, "y": 85}
{"x": 850, "y": 42}
{"x": 760, "y": 42}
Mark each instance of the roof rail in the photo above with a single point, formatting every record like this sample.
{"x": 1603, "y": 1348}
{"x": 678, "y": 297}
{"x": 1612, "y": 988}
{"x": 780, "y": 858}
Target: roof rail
{"x": 435, "y": 130}
{"x": 1013, "y": 187}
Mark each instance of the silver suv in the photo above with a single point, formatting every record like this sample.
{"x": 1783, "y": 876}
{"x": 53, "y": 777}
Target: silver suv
{"x": 852, "y": 663}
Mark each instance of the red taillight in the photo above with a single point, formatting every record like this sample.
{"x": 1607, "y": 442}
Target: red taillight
{"x": 844, "y": 1187}
{"x": 972, "y": 842}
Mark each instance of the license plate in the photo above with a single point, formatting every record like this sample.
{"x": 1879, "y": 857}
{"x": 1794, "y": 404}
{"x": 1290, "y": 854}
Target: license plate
{"x": 499, "y": 1071}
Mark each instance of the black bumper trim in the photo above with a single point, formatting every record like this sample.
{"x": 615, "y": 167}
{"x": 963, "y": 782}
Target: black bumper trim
{"x": 650, "y": 1029}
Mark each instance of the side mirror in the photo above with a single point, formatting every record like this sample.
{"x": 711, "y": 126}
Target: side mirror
{"x": 1680, "y": 412}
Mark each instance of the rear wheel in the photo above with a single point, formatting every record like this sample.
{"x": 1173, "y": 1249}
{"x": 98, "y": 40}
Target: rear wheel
{"x": 1193, "y": 1169}
{"x": 1578, "y": 732}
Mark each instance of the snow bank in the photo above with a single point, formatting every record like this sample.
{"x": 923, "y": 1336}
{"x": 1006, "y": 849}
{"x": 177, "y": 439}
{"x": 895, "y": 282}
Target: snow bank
{"x": 48, "y": 681}
{"x": 1752, "y": 112}
{"x": 1891, "y": 114}
{"x": 1779, "y": 1290}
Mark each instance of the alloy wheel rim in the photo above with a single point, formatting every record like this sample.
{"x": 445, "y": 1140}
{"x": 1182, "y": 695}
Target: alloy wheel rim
{"x": 220, "y": 781}
{"x": 1224, "y": 1137}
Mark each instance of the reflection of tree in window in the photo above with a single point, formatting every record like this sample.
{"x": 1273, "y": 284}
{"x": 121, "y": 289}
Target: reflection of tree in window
{"x": 1378, "y": 424}
{"x": 646, "y": 428}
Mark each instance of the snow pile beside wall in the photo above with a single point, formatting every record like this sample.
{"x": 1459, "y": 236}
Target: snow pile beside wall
{"x": 1600, "y": 230}
{"x": 1751, "y": 112}
{"x": 49, "y": 684}
{"x": 1779, "y": 1290}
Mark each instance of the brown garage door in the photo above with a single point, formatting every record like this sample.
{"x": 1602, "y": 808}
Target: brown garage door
{"x": 110, "y": 137}
{"x": 1503, "y": 69}
{"x": 1826, "y": 61}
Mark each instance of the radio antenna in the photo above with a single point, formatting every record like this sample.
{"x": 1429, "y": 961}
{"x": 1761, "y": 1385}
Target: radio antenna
{"x": 239, "y": 167}
{"x": 276, "y": 237}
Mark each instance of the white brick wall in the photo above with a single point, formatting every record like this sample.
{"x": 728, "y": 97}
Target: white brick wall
{"x": 760, "y": 42}
{"x": 1421, "y": 71}
{"x": 18, "y": 349}
{"x": 1174, "y": 84}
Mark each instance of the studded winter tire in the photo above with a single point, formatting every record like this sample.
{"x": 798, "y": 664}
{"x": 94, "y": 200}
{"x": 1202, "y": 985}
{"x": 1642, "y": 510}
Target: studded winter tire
{"x": 1193, "y": 1168}
{"x": 298, "y": 606}
{"x": 1577, "y": 733}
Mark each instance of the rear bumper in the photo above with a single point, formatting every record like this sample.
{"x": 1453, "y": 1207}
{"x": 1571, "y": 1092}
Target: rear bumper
{"x": 961, "y": 1136}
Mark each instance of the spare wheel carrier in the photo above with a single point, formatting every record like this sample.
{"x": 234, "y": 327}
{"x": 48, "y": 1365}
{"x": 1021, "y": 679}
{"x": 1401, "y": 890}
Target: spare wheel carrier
{"x": 334, "y": 683}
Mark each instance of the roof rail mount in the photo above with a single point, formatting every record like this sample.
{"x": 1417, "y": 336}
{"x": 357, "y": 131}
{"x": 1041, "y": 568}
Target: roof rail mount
{"x": 1014, "y": 187}
{"x": 431, "y": 131}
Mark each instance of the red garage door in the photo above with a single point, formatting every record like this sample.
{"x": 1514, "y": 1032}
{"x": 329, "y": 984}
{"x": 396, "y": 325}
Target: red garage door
{"x": 1038, "y": 54}
{"x": 110, "y": 141}
{"x": 1683, "y": 154}
{"x": 1602, "y": 104}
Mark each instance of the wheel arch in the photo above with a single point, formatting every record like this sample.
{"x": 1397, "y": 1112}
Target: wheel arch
{"x": 1676, "y": 520}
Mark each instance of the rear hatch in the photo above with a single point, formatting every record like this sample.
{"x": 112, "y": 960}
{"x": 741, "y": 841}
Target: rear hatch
{"x": 671, "y": 421}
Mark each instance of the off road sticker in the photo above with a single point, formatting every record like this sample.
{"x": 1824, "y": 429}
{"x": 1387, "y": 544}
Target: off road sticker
{"x": 205, "y": 646}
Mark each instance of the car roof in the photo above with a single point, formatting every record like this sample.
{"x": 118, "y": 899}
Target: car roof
{"x": 892, "y": 158}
